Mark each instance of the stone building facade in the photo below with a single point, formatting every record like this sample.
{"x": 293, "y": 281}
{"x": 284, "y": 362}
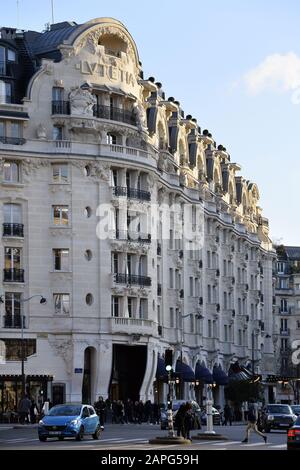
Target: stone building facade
{"x": 128, "y": 218}
{"x": 287, "y": 323}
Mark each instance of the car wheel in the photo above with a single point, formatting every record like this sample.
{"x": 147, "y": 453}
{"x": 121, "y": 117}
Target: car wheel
{"x": 60, "y": 438}
{"x": 97, "y": 433}
{"x": 79, "y": 436}
{"x": 42, "y": 438}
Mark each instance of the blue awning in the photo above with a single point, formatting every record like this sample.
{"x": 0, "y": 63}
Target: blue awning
{"x": 203, "y": 374}
{"x": 219, "y": 376}
{"x": 161, "y": 373}
{"x": 185, "y": 371}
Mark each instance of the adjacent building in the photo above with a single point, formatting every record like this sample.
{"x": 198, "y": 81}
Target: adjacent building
{"x": 129, "y": 219}
{"x": 287, "y": 322}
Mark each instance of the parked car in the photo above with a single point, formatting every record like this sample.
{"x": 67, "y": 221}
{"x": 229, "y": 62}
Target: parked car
{"x": 296, "y": 409}
{"x": 196, "y": 410}
{"x": 216, "y": 417}
{"x": 293, "y": 436}
{"x": 277, "y": 417}
{"x": 69, "y": 420}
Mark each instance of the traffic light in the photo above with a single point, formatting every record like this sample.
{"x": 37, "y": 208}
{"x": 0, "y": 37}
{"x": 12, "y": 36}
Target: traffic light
{"x": 168, "y": 357}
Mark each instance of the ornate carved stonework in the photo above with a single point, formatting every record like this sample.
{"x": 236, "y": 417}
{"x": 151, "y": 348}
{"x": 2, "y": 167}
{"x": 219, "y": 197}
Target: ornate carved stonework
{"x": 64, "y": 349}
{"x": 31, "y": 165}
{"x": 41, "y": 132}
{"x": 82, "y": 101}
{"x": 91, "y": 39}
{"x": 100, "y": 171}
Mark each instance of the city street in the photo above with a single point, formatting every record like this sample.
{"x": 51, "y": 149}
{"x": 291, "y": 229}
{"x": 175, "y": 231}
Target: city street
{"x": 135, "y": 437}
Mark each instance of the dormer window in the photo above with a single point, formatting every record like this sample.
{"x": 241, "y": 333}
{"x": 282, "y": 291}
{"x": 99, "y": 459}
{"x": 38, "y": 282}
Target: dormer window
{"x": 7, "y": 56}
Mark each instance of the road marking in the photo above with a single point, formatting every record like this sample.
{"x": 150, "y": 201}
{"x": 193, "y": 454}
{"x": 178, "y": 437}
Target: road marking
{"x": 280, "y": 446}
{"x": 254, "y": 444}
{"x": 229, "y": 443}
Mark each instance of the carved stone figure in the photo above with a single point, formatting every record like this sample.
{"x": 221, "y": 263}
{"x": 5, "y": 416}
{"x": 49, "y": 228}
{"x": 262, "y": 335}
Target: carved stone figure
{"x": 141, "y": 118}
{"x": 41, "y": 132}
{"x": 82, "y": 101}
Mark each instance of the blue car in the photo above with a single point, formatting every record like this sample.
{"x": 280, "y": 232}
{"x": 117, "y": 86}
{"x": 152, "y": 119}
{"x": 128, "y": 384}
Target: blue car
{"x": 69, "y": 421}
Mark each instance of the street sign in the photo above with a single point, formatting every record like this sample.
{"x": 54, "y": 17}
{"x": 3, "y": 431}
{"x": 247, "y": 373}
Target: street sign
{"x": 78, "y": 371}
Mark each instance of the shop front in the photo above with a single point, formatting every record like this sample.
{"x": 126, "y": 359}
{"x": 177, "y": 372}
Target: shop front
{"x": 38, "y": 388}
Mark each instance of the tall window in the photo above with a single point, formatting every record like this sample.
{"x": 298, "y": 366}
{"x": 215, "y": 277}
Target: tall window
{"x": 57, "y": 133}
{"x": 12, "y": 310}
{"x": 60, "y": 215}
{"x": 209, "y": 293}
{"x": 15, "y": 130}
{"x": 172, "y": 322}
{"x": 143, "y": 311}
{"x": 57, "y": 94}
{"x": 12, "y": 213}
{"x": 114, "y": 263}
{"x": 12, "y": 258}
{"x": 283, "y": 324}
{"x": 130, "y": 303}
{"x": 60, "y": 173}
{"x": 284, "y": 344}
{"x": 283, "y": 305}
{"x": 11, "y": 171}
{"x": 115, "y": 306}
{"x": 171, "y": 278}
{"x": 225, "y": 333}
{"x": 61, "y": 259}
{"x": 61, "y": 303}
{"x": 111, "y": 139}
{"x": 191, "y": 286}
{"x": 209, "y": 329}
{"x": 240, "y": 337}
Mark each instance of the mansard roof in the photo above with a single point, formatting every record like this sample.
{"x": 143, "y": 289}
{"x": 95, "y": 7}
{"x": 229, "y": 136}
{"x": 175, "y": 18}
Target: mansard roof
{"x": 293, "y": 252}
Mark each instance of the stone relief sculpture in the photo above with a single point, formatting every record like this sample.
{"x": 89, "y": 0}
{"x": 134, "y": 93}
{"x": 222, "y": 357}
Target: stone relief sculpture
{"x": 141, "y": 118}
{"x": 82, "y": 101}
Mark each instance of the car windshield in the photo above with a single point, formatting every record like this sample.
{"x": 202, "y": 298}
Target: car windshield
{"x": 279, "y": 409}
{"x": 66, "y": 410}
{"x": 177, "y": 405}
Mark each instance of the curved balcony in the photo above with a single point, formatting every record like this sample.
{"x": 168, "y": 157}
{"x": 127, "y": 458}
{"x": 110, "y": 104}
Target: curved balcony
{"x": 12, "y": 140}
{"x": 129, "y": 326}
{"x": 133, "y": 279}
{"x": 129, "y": 235}
{"x": 99, "y": 111}
{"x": 131, "y": 193}
{"x": 13, "y": 230}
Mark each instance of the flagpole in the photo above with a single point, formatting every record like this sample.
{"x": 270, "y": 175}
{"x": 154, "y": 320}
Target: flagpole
{"x": 52, "y": 8}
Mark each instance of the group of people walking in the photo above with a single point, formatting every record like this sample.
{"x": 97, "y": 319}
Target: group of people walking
{"x": 128, "y": 411}
{"x": 29, "y": 411}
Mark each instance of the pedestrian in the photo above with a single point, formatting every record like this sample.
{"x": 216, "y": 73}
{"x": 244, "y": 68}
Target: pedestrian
{"x": 188, "y": 420}
{"x": 227, "y": 415}
{"x": 100, "y": 408}
{"x": 33, "y": 411}
{"x": 252, "y": 421}
{"x": 180, "y": 421}
{"x": 24, "y": 409}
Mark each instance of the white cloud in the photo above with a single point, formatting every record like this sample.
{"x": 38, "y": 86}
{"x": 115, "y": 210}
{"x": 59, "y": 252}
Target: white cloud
{"x": 278, "y": 72}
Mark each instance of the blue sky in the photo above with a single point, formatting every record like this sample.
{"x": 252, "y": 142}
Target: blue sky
{"x": 234, "y": 65}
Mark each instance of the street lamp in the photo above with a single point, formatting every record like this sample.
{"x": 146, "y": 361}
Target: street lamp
{"x": 171, "y": 432}
{"x": 209, "y": 404}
